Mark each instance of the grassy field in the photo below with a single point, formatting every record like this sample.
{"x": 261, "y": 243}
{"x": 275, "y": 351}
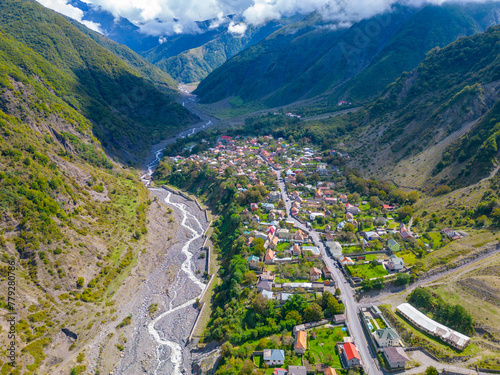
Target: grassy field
{"x": 460, "y": 248}
{"x": 408, "y": 257}
{"x": 324, "y": 346}
{"x": 367, "y": 271}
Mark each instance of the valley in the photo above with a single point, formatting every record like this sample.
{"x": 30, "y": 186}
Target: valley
{"x": 287, "y": 195}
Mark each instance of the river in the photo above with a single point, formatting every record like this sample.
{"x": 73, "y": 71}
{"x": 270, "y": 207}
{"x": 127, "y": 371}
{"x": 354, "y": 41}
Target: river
{"x": 159, "y": 346}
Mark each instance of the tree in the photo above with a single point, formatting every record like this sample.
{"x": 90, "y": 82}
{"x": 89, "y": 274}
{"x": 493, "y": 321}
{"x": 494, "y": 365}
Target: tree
{"x": 379, "y": 283}
{"x": 413, "y": 197}
{"x": 259, "y": 304}
{"x": 80, "y": 282}
{"x": 313, "y": 313}
{"x": 375, "y": 202}
{"x": 226, "y": 350}
{"x": 301, "y": 178}
{"x": 294, "y": 315}
{"x": 337, "y": 292}
{"x": 402, "y": 279}
{"x": 249, "y": 278}
{"x": 431, "y": 370}
{"x": 405, "y": 211}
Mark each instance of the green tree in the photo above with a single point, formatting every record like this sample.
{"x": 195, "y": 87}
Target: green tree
{"x": 402, "y": 279}
{"x": 294, "y": 315}
{"x": 80, "y": 282}
{"x": 226, "y": 350}
{"x": 313, "y": 313}
{"x": 431, "y": 370}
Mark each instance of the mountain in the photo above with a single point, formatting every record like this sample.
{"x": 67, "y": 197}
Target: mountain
{"x": 191, "y": 57}
{"x": 439, "y": 124}
{"x": 136, "y": 62}
{"x": 187, "y": 56}
{"x": 120, "y": 30}
{"x": 127, "y": 110}
{"x": 72, "y": 221}
{"x": 317, "y": 59}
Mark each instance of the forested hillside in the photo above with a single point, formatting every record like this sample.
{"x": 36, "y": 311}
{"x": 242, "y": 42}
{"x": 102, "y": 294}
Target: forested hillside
{"x": 445, "y": 111}
{"x": 72, "y": 221}
{"x": 127, "y": 111}
{"x": 311, "y": 59}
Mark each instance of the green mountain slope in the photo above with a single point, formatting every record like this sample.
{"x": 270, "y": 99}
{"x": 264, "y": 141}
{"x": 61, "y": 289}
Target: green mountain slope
{"x": 190, "y": 58}
{"x": 136, "y": 62}
{"x": 72, "y": 222}
{"x": 128, "y": 112}
{"x": 355, "y": 64}
{"x": 440, "y": 121}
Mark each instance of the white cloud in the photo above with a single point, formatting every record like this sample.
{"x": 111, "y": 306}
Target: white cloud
{"x": 237, "y": 28}
{"x": 61, "y": 6}
{"x": 169, "y": 17}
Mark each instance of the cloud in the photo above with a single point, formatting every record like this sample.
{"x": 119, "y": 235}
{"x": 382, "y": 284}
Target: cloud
{"x": 237, "y": 28}
{"x": 169, "y": 17}
{"x": 61, "y": 6}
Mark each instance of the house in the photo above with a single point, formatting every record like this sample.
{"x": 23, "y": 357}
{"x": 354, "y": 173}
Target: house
{"x": 273, "y": 357}
{"x": 297, "y": 370}
{"x": 314, "y": 215}
{"x": 283, "y": 234}
{"x": 253, "y": 261}
{"x": 396, "y": 357}
{"x": 268, "y": 206}
{"x": 349, "y": 217}
{"x": 312, "y": 250}
{"x": 386, "y": 337}
{"x": 330, "y": 371}
{"x": 274, "y": 196}
{"x": 267, "y": 294}
{"x": 269, "y": 258}
{"x": 352, "y": 209}
{"x": 299, "y": 237}
{"x": 271, "y": 229}
{"x": 264, "y": 285}
{"x": 343, "y": 198}
{"x": 283, "y": 297}
{"x": 339, "y": 318}
{"x": 274, "y": 242}
{"x": 351, "y": 355}
{"x": 314, "y": 273}
{"x": 335, "y": 248}
{"x": 279, "y": 371}
{"x": 393, "y": 246}
{"x": 260, "y": 235}
{"x": 387, "y": 207}
{"x": 327, "y": 272}
{"x": 268, "y": 276}
{"x": 296, "y": 250}
{"x": 370, "y": 236}
{"x": 254, "y": 206}
{"x": 300, "y": 346}
{"x": 255, "y": 218}
{"x": 405, "y": 234}
{"x": 395, "y": 263}
{"x": 346, "y": 261}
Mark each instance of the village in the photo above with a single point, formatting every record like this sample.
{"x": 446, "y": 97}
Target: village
{"x": 302, "y": 224}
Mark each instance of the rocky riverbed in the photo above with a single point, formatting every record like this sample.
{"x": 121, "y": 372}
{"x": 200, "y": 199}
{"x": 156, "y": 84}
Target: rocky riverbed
{"x": 157, "y": 344}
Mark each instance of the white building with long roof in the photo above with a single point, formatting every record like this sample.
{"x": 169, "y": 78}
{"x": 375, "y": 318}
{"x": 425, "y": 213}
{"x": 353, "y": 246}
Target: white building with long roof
{"x": 422, "y": 321}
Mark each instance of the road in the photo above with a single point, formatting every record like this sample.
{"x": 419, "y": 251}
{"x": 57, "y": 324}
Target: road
{"x": 347, "y": 294}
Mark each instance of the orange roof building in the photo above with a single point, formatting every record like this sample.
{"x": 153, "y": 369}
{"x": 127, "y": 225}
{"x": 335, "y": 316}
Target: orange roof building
{"x": 300, "y": 346}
